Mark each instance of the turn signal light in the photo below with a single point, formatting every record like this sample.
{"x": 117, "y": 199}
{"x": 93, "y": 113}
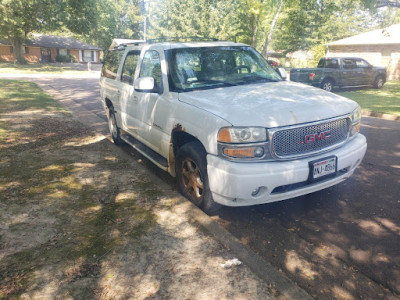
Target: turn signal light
{"x": 240, "y": 152}
{"x": 244, "y": 152}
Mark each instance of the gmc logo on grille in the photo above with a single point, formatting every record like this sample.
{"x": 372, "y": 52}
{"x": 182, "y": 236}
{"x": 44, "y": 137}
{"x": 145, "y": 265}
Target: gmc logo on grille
{"x": 311, "y": 138}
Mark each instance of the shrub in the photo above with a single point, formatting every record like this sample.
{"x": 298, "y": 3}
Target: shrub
{"x": 65, "y": 58}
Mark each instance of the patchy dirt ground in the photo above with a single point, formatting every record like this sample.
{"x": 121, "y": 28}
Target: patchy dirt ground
{"x": 81, "y": 219}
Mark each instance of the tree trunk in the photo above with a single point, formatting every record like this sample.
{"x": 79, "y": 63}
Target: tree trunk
{"x": 255, "y": 31}
{"x": 271, "y": 32}
{"x": 19, "y": 50}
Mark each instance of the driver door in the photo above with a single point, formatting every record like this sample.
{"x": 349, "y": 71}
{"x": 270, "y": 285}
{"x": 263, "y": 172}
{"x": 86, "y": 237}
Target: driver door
{"x": 150, "y": 113}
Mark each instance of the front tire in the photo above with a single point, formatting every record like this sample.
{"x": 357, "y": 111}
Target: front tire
{"x": 192, "y": 178}
{"x": 327, "y": 85}
{"x": 379, "y": 82}
{"x": 112, "y": 126}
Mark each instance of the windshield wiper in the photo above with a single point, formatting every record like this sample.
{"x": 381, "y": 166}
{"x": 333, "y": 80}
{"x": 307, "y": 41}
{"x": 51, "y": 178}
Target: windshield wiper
{"x": 217, "y": 82}
{"x": 256, "y": 79}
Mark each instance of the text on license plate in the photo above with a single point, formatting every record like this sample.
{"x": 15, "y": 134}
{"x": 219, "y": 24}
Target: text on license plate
{"x": 324, "y": 167}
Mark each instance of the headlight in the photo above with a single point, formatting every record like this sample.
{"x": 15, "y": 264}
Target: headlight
{"x": 243, "y": 143}
{"x": 355, "y": 120}
{"x": 356, "y": 115}
{"x": 239, "y": 135}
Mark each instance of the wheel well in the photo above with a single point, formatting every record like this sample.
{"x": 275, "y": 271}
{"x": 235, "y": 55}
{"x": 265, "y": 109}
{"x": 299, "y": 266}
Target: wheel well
{"x": 178, "y": 138}
{"x": 380, "y": 75}
{"x": 108, "y": 103}
{"x": 329, "y": 78}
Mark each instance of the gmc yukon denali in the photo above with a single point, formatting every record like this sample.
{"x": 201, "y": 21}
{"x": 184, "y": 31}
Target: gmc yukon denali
{"x": 341, "y": 72}
{"x": 217, "y": 117}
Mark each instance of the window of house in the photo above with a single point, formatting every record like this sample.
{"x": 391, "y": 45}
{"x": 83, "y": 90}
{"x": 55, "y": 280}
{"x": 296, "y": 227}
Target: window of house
{"x": 11, "y": 49}
{"x": 128, "y": 71}
{"x": 63, "y": 52}
{"x": 26, "y": 50}
{"x": 88, "y": 55}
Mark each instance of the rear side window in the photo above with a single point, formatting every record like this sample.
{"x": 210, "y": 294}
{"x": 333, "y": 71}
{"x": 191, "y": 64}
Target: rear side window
{"x": 361, "y": 63}
{"x": 111, "y": 63}
{"x": 151, "y": 67}
{"x": 331, "y": 63}
{"x": 349, "y": 64}
{"x": 128, "y": 71}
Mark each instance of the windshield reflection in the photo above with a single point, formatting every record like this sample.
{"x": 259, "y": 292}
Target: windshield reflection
{"x": 213, "y": 67}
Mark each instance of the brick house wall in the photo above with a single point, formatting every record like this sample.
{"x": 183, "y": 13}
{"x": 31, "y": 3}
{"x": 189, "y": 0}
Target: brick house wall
{"x": 74, "y": 53}
{"x": 34, "y": 54}
{"x": 5, "y": 54}
{"x": 387, "y": 56}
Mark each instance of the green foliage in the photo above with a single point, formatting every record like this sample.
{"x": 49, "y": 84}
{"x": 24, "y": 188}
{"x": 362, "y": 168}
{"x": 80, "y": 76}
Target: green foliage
{"x": 307, "y": 24}
{"x": 318, "y": 52}
{"x": 205, "y": 18}
{"x": 282, "y": 25}
{"x": 66, "y": 58}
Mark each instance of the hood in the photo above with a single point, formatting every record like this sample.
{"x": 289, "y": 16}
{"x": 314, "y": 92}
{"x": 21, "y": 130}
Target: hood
{"x": 271, "y": 104}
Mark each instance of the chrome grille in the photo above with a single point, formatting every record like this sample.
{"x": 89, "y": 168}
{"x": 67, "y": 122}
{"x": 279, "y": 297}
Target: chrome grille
{"x": 290, "y": 142}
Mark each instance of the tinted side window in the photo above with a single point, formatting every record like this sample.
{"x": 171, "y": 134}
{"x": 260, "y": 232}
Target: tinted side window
{"x": 349, "y": 64}
{"x": 111, "y": 63}
{"x": 361, "y": 63}
{"x": 332, "y": 63}
{"x": 151, "y": 67}
{"x": 128, "y": 71}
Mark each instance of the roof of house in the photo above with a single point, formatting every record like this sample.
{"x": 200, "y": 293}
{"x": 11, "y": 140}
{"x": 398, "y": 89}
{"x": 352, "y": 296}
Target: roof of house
{"x": 53, "y": 41}
{"x": 388, "y": 35}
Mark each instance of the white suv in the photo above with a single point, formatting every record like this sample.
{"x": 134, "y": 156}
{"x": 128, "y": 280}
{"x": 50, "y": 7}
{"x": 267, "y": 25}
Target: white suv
{"x": 220, "y": 119}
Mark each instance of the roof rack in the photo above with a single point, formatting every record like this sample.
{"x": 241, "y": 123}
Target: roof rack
{"x": 124, "y": 45}
{"x": 182, "y": 39}
{"x": 167, "y": 39}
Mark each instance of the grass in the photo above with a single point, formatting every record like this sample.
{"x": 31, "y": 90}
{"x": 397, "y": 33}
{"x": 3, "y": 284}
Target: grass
{"x": 385, "y": 100}
{"x": 35, "y": 68}
{"x": 17, "y": 95}
{"x": 62, "y": 212}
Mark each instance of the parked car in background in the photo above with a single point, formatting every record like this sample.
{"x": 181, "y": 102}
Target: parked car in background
{"x": 218, "y": 117}
{"x": 340, "y": 72}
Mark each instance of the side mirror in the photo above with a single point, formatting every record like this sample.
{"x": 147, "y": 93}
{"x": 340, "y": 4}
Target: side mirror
{"x": 282, "y": 72}
{"x": 145, "y": 85}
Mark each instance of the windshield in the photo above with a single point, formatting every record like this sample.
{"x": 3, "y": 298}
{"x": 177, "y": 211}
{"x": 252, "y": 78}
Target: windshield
{"x": 213, "y": 67}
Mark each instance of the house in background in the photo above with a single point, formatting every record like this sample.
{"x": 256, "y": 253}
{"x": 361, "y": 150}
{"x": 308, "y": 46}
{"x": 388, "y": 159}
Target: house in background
{"x": 45, "y": 48}
{"x": 379, "y": 47}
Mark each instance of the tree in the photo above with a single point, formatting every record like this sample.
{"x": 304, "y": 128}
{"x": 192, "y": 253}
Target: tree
{"x": 307, "y": 24}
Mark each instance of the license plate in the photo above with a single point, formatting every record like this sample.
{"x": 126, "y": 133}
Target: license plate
{"x": 323, "y": 167}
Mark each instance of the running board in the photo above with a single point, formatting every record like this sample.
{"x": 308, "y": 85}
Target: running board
{"x": 150, "y": 154}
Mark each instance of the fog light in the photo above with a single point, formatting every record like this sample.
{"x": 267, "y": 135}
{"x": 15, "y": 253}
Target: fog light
{"x": 258, "y": 151}
{"x": 255, "y": 192}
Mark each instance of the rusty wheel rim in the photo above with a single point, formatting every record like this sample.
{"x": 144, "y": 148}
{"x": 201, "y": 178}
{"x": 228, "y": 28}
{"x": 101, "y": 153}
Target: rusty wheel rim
{"x": 191, "y": 179}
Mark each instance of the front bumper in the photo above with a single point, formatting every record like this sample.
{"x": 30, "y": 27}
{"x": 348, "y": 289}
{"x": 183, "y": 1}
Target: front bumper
{"x": 233, "y": 183}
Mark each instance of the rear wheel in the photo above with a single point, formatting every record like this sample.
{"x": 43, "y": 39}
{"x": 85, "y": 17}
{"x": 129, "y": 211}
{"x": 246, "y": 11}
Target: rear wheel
{"x": 192, "y": 178}
{"x": 379, "y": 82}
{"x": 327, "y": 85}
{"x": 112, "y": 126}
